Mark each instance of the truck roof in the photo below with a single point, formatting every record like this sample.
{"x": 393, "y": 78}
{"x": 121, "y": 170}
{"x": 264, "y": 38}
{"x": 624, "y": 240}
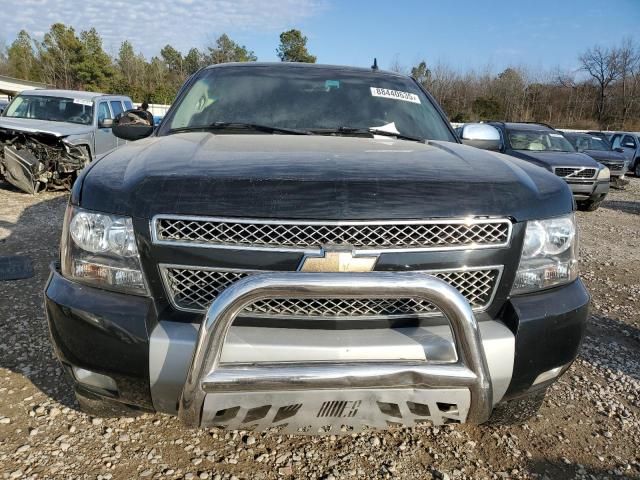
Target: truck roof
{"x": 525, "y": 125}
{"x": 80, "y": 95}
{"x": 299, "y": 65}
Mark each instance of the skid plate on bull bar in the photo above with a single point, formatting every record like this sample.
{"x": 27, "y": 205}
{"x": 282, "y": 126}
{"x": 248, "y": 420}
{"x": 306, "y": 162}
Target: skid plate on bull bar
{"x": 316, "y": 412}
{"x": 208, "y": 380}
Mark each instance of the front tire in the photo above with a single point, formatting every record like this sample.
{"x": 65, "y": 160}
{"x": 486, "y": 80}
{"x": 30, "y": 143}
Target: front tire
{"x": 589, "y": 205}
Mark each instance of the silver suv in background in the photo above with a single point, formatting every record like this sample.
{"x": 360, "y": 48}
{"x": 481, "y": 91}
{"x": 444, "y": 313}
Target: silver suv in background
{"x": 599, "y": 148}
{"x": 47, "y": 136}
{"x": 546, "y": 147}
{"x": 629, "y": 144}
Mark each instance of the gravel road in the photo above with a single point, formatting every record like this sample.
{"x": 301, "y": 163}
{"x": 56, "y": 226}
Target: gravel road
{"x": 589, "y": 426}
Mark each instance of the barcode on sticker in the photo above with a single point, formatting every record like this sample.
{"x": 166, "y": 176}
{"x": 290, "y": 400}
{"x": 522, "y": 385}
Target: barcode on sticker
{"x": 395, "y": 94}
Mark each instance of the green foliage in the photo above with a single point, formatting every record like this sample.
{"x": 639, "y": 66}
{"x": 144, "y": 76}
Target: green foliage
{"x": 226, "y": 50}
{"x": 421, "y": 73}
{"x": 293, "y": 47}
{"x": 67, "y": 60}
{"x": 173, "y": 59}
{"x": 95, "y": 69}
{"x": 487, "y": 108}
{"x": 60, "y": 53}
{"x": 21, "y": 58}
{"x": 460, "y": 117}
{"x": 129, "y": 78}
{"x": 193, "y": 61}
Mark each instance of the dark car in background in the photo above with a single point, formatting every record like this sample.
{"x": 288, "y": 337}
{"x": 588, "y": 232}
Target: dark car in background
{"x": 604, "y": 135}
{"x": 599, "y": 148}
{"x": 629, "y": 144}
{"x": 546, "y": 147}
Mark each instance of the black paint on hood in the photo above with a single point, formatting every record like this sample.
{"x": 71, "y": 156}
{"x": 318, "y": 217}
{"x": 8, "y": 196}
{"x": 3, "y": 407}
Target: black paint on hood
{"x": 606, "y": 156}
{"x": 317, "y": 177}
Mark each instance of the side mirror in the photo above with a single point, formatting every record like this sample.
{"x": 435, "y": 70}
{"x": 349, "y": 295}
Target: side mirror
{"x": 618, "y": 149}
{"x": 481, "y": 135}
{"x": 133, "y": 125}
{"x": 105, "y": 123}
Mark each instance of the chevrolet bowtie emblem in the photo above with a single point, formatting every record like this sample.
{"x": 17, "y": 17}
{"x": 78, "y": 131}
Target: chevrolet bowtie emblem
{"x": 338, "y": 262}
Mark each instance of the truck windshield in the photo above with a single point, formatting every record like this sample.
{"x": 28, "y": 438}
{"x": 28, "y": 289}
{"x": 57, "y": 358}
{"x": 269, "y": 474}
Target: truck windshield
{"x": 55, "y": 109}
{"x": 539, "y": 140}
{"x": 316, "y": 100}
{"x": 589, "y": 142}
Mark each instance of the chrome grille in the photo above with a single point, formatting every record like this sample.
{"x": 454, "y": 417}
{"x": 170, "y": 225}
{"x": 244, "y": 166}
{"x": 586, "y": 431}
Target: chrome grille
{"x": 575, "y": 172}
{"x": 194, "y": 289}
{"x": 217, "y": 232}
{"x": 614, "y": 167}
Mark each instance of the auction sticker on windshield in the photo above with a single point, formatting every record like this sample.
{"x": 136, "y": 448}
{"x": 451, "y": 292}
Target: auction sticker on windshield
{"x": 395, "y": 94}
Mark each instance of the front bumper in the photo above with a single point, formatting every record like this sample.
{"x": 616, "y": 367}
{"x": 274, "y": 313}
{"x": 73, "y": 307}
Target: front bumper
{"x": 122, "y": 336}
{"x": 617, "y": 169}
{"x": 593, "y": 190}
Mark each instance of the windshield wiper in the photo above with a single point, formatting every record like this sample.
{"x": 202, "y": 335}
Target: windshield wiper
{"x": 241, "y": 126}
{"x": 369, "y": 132}
{"x": 401, "y": 136}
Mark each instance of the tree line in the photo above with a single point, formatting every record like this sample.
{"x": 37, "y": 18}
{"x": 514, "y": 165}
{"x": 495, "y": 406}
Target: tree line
{"x": 70, "y": 60}
{"x": 604, "y": 92}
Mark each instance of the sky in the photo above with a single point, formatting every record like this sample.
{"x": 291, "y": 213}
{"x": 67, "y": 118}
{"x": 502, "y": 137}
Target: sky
{"x": 463, "y": 34}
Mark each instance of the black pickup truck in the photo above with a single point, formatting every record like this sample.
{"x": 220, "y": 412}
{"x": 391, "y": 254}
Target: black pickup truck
{"x": 312, "y": 248}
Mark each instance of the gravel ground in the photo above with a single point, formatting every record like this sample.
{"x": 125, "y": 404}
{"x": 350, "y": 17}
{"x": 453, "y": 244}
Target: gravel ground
{"x": 588, "y": 427}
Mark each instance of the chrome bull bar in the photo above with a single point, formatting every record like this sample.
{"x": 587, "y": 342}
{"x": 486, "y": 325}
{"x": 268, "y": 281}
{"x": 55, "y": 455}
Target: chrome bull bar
{"x": 207, "y": 375}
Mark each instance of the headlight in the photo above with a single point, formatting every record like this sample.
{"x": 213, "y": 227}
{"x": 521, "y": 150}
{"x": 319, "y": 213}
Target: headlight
{"x": 604, "y": 174}
{"x": 100, "y": 250}
{"x": 549, "y": 255}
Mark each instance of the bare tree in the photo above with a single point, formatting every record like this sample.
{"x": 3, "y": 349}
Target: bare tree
{"x": 603, "y": 65}
{"x": 398, "y": 67}
{"x": 628, "y": 65}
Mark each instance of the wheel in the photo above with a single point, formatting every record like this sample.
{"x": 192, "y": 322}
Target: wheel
{"x": 619, "y": 183}
{"x": 589, "y": 205}
{"x": 518, "y": 410}
{"x": 636, "y": 171}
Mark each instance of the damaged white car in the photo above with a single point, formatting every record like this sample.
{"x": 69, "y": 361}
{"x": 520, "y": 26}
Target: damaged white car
{"x": 48, "y": 136}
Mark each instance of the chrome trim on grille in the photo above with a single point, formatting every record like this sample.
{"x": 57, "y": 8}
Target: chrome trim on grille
{"x": 574, "y": 172}
{"x": 503, "y": 236}
{"x": 242, "y": 273}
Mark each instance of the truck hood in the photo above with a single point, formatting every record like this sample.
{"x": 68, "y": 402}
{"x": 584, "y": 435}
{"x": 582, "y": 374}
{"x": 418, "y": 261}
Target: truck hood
{"x": 606, "y": 156}
{"x": 557, "y": 159}
{"x": 59, "y": 129}
{"x": 316, "y": 177}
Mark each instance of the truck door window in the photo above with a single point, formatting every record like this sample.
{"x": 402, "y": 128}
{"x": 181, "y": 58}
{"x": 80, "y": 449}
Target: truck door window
{"x": 615, "y": 141}
{"x": 128, "y": 105}
{"x": 103, "y": 112}
{"x": 629, "y": 139}
{"x": 116, "y": 106}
